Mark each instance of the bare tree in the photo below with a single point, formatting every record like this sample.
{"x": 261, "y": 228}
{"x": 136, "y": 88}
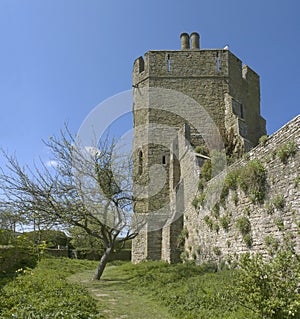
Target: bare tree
{"x": 86, "y": 187}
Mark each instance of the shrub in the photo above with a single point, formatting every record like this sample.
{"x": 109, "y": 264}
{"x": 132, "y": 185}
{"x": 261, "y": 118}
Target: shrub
{"x": 231, "y": 179}
{"x": 225, "y": 221}
{"x": 269, "y": 208}
{"x": 248, "y": 240}
{"x": 202, "y": 149}
{"x": 243, "y": 225}
{"x": 216, "y": 227}
{"x": 195, "y": 202}
{"x": 272, "y": 243}
{"x": 217, "y": 251}
{"x": 235, "y": 198}
{"x": 199, "y": 200}
{"x": 279, "y": 223}
{"x": 182, "y": 237}
{"x": 200, "y": 185}
{"x": 263, "y": 139}
{"x": 208, "y": 221}
{"x": 252, "y": 179}
{"x": 271, "y": 289}
{"x": 287, "y": 150}
{"x": 22, "y": 253}
{"x": 6, "y": 237}
{"x": 52, "y": 238}
{"x": 206, "y": 171}
{"x": 278, "y": 202}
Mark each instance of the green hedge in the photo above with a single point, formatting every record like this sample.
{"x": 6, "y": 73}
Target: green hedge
{"x": 14, "y": 258}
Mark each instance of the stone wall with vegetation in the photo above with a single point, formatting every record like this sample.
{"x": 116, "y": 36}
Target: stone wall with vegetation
{"x": 259, "y": 203}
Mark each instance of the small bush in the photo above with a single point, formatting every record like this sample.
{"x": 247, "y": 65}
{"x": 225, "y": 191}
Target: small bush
{"x": 278, "y": 202}
{"x": 206, "y": 171}
{"x": 243, "y": 225}
{"x": 269, "y": 208}
{"x": 272, "y": 243}
{"x": 182, "y": 237}
{"x": 235, "y": 198}
{"x": 200, "y": 185}
{"x": 208, "y": 221}
{"x": 199, "y": 201}
{"x": 216, "y": 227}
{"x": 252, "y": 179}
{"x": 225, "y": 221}
{"x": 231, "y": 179}
{"x": 22, "y": 253}
{"x": 202, "y": 149}
{"x": 270, "y": 289}
{"x": 279, "y": 223}
{"x": 195, "y": 202}
{"x": 217, "y": 251}
{"x": 263, "y": 139}
{"x": 248, "y": 240}
{"x": 287, "y": 150}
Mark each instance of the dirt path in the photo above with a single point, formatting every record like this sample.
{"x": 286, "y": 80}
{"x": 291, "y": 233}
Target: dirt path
{"x": 117, "y": 299}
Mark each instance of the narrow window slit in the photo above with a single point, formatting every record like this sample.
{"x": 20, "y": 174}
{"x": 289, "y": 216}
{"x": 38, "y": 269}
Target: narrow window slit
{"x": 218, "y": 63}
{"x": 140, "y": 169}
{"x": 169, "y": 63}
{"x": 242, "y": 110}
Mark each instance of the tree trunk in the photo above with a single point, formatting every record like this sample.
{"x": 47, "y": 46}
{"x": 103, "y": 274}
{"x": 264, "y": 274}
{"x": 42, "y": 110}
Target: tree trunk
{"x": 102, "y": 263}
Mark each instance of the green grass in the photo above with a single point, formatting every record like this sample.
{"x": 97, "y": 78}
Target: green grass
{"x": 156, "y": 290}
{"x": 119, "y": 296}
{"x": 45, "y": 293}
{"x": 63, "y": 288}
{"x": 189, "y": 291}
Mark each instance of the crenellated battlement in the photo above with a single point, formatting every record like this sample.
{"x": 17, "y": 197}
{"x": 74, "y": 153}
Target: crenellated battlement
{"x": 219, "y": 63}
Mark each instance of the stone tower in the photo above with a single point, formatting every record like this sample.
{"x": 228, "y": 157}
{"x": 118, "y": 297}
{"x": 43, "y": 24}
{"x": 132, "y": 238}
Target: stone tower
{"x": 216, "y": 80}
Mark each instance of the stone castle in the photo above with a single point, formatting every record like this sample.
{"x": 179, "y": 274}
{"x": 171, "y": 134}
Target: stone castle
{"x": 181, "y": 223}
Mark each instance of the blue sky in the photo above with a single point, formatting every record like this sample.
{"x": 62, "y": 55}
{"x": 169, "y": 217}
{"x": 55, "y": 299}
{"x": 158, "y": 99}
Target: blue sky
{"x": 60, "y": 58}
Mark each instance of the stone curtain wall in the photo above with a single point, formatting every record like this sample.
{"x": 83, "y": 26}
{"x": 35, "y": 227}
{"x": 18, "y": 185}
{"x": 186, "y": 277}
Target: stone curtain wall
{"x": 236, "y": 224}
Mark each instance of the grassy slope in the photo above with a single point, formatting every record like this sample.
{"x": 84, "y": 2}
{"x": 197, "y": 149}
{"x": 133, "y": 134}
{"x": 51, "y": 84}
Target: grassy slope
{"x": 119, "y": 297}
{"x": 44, "y": 293}
{"x": 148, "y": 290}
{"x": 156, "y": 290}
